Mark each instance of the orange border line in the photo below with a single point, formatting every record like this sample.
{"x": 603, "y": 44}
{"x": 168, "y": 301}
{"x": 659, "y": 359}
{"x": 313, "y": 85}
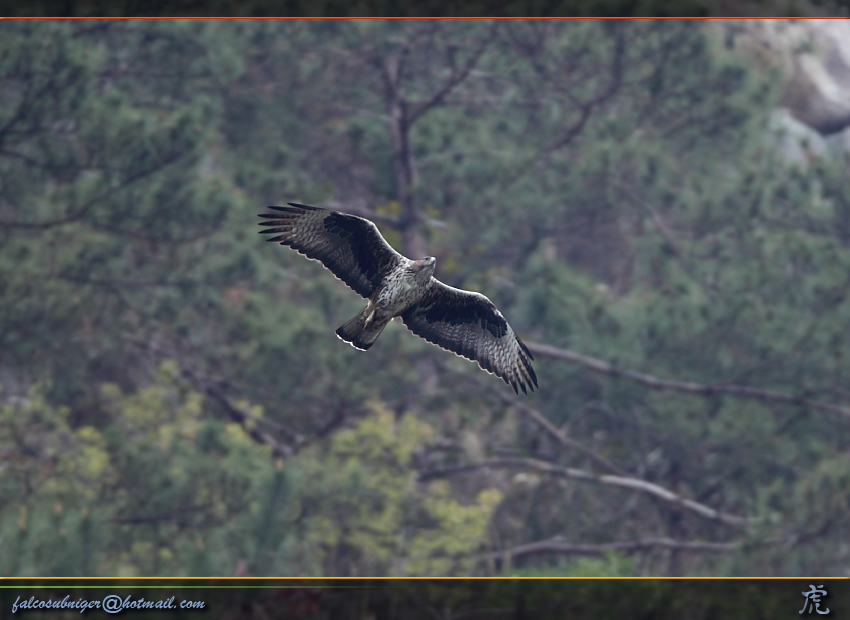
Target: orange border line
{"x": 433, "y": 18}
{"x": 500, "y": 578}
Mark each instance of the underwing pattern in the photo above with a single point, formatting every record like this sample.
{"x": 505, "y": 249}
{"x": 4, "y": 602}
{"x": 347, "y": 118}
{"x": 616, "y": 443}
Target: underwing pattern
{"x": 352, "y": 248}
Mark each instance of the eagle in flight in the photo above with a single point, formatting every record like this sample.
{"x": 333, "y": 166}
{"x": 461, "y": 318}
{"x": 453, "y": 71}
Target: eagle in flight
{"x": 353, "y": 249}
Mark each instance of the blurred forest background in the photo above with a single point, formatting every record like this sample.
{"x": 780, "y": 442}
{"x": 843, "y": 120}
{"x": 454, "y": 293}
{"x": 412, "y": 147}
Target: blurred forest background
{"x": 671, "y": 242}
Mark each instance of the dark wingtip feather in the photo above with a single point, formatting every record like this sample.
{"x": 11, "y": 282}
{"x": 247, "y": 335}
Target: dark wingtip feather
{"x": 531, "y": 374}
{"x": 524, "y": 348}
{"x": 300, "y": 206}
{"x": 278, "y": 238}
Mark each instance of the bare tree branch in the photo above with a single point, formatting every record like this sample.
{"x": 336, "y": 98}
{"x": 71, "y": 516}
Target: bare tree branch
{"x": 91, "y": 202}
{"x": 399, "y": 125}
{"x": 454, "y": 80}
{"x": 561, "y": 547}
{"x": 242, "y": 417}
{"x": 738, "y": 391}
{"x": 564, "y": 140}
{"x": 401, "y": 115}
{"x": 584, "y": 109}
{"x": 668, "y": 235}
{"x": 584, "y": 476}
{"x": 540, "y": 420}
{"x": 297, "y": 441}
{"x": 215, "y": 389}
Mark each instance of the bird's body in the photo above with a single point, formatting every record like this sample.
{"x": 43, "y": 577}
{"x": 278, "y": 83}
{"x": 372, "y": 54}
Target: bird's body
{"x": 403, "y": 287}
{"x": 353, "y": 249}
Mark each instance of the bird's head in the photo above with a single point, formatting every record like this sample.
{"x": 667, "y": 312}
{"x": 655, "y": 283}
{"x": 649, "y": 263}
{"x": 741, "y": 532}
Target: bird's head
{"x": 424, "y": 267}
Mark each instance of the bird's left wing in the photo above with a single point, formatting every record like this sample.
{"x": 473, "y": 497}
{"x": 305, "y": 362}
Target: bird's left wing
{"x": 351, "y": 247}
{"x": 470, "y": 325}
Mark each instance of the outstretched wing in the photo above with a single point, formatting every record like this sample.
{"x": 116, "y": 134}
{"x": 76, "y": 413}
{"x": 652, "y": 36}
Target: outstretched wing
{"x": 351, "y": 247}
{"x": 470, "y": 325}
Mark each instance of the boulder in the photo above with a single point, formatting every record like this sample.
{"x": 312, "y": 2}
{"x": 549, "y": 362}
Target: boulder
{"x": 814, "y": 55}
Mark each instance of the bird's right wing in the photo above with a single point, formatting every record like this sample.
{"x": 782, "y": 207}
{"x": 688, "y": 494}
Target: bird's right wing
{"x": 470, "y": 325}
{"x": 351, "y": 247}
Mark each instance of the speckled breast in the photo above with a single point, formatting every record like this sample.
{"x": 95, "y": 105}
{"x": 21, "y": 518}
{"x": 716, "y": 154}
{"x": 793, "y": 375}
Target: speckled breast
{"x": 399, "y": 291}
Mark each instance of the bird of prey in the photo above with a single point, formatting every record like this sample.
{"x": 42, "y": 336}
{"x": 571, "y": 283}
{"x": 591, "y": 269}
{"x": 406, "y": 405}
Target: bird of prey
{"x": 353, "y": 249}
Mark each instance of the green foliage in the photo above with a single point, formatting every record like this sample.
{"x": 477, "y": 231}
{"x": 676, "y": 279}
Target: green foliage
{"x": 152, "y": 466}
{"x": 157, "y": 489}
{"x": 364, "y": 512}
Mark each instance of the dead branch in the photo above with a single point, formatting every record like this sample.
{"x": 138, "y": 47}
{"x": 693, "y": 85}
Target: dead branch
{"x": 738, "y": 391}
{"x": 540, "y": 420}
{"x": 584, "y": 476}
{"x": 83, "y": 210}
{"x": 251, "y": 424}
{"x": 454, "y": 80}
{"x": 584, "y": 112}
{"x": 215, "y": 389}
{"x": 243, "y": 418}
{"x": 402, "y": 114}
{"x": 558, "y": 546}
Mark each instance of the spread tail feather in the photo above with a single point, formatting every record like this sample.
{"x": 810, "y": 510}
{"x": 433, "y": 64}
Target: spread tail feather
{"x": 358, "y": 334}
